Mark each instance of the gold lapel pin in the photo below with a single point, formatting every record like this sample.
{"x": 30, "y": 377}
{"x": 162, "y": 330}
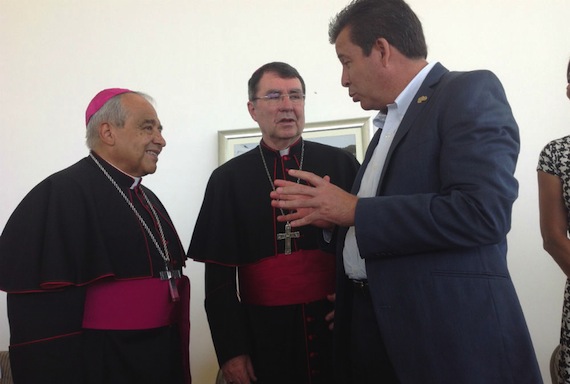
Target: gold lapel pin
{"x": 422, "y": 99}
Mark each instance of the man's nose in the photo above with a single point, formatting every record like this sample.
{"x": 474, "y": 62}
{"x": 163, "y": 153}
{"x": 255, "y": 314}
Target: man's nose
{"x": 158, "y": 138}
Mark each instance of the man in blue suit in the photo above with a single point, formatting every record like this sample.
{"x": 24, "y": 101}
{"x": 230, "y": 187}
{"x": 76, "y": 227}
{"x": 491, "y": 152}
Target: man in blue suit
{"x": 423, "y": 290}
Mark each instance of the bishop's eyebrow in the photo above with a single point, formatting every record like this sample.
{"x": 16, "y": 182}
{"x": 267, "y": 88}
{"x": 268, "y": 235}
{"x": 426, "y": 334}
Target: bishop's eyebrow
{"x": 152, "y": 122}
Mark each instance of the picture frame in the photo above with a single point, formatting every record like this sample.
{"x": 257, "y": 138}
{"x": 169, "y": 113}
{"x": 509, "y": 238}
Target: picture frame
{"x": 350, "y": 134}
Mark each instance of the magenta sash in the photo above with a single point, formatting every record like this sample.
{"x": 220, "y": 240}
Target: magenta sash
{"x": 301, "y": 277}
{"x": 137, "y": 305}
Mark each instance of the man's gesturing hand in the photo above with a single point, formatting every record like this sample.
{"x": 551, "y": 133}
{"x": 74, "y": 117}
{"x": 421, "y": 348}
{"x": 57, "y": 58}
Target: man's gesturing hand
{"x": 320, "y": 203}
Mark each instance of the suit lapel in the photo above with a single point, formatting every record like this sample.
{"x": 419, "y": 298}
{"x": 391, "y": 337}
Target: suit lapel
{"x": 367, "y": 156}
{"x": 418, "y": 104}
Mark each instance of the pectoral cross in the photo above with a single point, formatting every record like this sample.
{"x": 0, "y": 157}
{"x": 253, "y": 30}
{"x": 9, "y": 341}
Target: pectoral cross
{"x": 171, "y": 275}
{"x": 287, "y": 236}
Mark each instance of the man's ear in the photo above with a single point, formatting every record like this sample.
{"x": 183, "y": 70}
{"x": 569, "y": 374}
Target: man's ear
{"x": 107, "y": 134}
{"x": 251, "y": 110}
{"x": 383, "y": 49}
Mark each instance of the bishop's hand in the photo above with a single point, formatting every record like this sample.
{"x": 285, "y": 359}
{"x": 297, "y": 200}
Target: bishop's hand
{"x": 239, "y": 370}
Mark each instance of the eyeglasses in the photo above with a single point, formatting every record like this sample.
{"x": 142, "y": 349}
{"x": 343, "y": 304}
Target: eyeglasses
{"x": 276, "y": 97}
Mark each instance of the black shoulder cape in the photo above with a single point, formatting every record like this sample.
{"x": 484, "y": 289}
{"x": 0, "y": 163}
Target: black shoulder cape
{"x": 228, "y": 230}
{"x": 74, "y": 228}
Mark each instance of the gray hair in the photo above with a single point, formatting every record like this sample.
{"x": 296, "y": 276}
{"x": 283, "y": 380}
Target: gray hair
{"x": 112, "y": 112}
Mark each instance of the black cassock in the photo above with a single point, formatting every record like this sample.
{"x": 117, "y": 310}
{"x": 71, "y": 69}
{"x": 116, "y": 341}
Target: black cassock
{"x": 72, "y": 232}
{"x": 237, "y": 227}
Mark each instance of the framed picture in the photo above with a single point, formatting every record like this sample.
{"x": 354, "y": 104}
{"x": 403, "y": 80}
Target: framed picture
{"x": 351, "y": 134}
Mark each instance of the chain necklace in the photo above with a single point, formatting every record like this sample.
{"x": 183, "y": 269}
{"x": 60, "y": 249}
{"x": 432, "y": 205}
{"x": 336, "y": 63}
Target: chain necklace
{"x": 163, "y": 253}
{"x": 287, "y": 235}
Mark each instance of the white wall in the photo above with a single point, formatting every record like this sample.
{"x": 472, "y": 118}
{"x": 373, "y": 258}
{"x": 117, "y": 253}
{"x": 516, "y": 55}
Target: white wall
{"x": 195, "y": 57}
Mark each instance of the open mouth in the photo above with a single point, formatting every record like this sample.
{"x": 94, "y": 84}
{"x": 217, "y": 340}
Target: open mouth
{"x": 152, "y": 153}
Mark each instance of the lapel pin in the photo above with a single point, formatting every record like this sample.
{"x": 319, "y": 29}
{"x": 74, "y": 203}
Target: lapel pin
{"x": 422, "y": 99}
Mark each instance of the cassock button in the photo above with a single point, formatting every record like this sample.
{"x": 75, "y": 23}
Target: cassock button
{"x": 310, "y": 319}
{"x": 312, "y": 337}
{"x": 312, "y": 355}
{"x": 286, "y": 157}
{"x": 315, "y": 372}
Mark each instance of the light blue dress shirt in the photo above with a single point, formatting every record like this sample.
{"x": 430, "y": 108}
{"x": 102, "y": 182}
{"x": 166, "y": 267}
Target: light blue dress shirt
{"x": 354, "y": 264}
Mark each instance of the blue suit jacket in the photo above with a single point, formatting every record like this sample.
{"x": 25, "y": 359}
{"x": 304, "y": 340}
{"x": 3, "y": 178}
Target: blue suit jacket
{"x": 434, "y": 240}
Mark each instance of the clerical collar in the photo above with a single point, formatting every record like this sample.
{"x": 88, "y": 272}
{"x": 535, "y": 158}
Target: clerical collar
{"x": 293, "y": 149}
{"x": 134, "y": 180}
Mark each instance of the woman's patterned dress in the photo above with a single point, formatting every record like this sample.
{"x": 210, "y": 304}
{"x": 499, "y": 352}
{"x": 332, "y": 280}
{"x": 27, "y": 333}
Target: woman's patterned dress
{"x": 555, "y": 160}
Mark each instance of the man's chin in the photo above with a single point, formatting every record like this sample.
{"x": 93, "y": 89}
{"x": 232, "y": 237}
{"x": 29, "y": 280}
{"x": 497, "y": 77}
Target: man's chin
{"x": 290, "y": 131}
{"x": 368, "y": 106}
{"x": 150, "y": 169}
{"x": 356, "y": 99}
{"x": 288, "y": 126}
